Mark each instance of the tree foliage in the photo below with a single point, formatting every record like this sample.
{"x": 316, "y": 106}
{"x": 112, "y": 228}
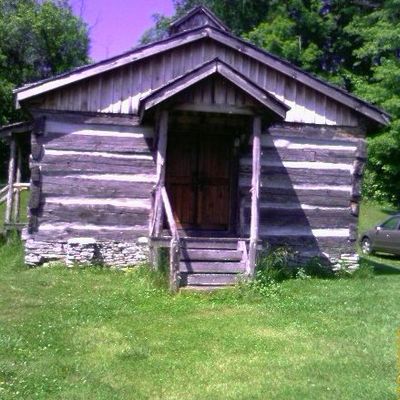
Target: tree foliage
{"x": 354, "y": 44}
{"x": 38, "y": 39}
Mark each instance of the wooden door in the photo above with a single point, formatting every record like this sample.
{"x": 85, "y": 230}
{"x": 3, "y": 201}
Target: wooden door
{"x": 198, "y": 180}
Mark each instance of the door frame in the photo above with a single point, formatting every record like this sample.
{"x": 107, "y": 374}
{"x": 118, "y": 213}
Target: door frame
{"x": 232, "y": 219}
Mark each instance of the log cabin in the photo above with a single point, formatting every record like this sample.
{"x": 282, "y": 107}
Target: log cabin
{"x": 200, "y": 143}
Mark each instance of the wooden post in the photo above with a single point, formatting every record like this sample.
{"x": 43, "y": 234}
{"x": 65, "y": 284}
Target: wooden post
{"x": 174, "y": 259}
{"x": 255, "y": 191}
{"x": 157, "y": 214}
{"x": 11, "y": 174}
{"x": 17, "y": 194}
{"x": 160, "y": 164}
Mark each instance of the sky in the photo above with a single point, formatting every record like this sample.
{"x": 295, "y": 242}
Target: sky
{"x": 115, "y": 26}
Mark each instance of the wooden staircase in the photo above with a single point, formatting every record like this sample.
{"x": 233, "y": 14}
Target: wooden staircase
{"x": 198, "y": 262}
{"x": 209, "y": 263}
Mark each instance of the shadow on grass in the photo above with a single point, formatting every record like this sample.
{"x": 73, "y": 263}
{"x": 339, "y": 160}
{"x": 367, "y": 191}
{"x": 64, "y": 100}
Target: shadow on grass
{"x": 380, "y": 267}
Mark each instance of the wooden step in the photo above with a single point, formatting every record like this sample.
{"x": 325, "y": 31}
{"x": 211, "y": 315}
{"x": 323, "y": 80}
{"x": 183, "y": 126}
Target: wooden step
{"x": 211, "y": 255}
{"x": 209, "y": 279}
{"x": 211, "y": 267}
{"x": 200, "y": 242}
{"x": 210, "y": 243}
{"x": 204, "y": 288}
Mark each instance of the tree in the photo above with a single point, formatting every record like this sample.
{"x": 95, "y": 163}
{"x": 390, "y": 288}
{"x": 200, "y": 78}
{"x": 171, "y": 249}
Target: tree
{"x": 354, "y": 44}
{"x": 378, "y": 49}
{"x": 239, "y": 15}
{"x": 39, "y": 39}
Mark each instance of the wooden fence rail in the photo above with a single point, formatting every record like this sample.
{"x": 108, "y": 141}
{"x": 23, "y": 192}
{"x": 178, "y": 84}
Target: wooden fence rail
{"x": 12, "y": 210}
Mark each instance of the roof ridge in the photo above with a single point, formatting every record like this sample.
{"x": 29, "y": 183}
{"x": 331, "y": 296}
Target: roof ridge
{"x": 199, "y": 8}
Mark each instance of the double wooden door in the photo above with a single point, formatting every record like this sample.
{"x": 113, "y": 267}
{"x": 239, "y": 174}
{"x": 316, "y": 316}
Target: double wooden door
{"x": 198, "y": 180}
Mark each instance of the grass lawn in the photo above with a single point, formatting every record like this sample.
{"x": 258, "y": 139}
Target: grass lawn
{"x": 23, "y": 209}
{"x": 101, "y": 334}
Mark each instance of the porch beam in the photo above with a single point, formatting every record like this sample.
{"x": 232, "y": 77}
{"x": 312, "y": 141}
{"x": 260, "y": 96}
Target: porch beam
{"x": 255, "y": 190}
{"x": 160, "y": 170}
{"x": 11, "y": 176}
{"x": 17, "y": 194}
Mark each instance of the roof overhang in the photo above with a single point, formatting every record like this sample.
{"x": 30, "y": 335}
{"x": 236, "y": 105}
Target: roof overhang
{"x": 6, "y": 131}
{"x": 214, "y": 67}
{"x": 222, "y": 37}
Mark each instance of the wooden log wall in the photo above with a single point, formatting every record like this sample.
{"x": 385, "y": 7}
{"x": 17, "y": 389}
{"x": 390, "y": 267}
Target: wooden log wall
{"x": 310, "y": 188}
{"x": 119, "y": 90}
{"x": 91, "y": 180}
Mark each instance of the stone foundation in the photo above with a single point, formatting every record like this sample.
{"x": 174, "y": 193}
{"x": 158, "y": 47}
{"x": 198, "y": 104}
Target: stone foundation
{"x": 346, "y": 262}
{"x": 87, "y": 251}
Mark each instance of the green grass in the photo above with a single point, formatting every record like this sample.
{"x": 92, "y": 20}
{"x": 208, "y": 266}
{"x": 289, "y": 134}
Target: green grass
{"x": 103, "y": 334}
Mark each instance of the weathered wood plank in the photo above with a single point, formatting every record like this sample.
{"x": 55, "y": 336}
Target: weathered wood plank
{"x": 198, "y": 243}
{"x": 62, "y": 141}
{"x": 210, "y": 255}
{"x": 61, "y": 120}
{"x": 208, "y": 279}
{"x": 298, "y": 142}
{"x": 255, "y": 194}
{"x": 330, "y": 168}
{"x": 77, "y": 187}
{"x": 62, "y": 232}
{"x": 290, "y": 178}
{"x": 17, "y": 182}
{"x": 10, "y": 181}
{"x": 106, "y": 215}
{"x": 108, "y": 158}
{"x": 157, "y": 209}
{"x": 321, "y": 197}
{"x": 174, "y": 257}
{"x": 316, "y": 155}
{"x": 211, "y": 267}
{"x": 309, "y": 131}
{"x": 304, "y": 218}
{"x": 52, "y": 167}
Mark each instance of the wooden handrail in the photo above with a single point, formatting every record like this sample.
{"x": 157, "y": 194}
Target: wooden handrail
{"x": 175, "y": 246}
{"x": 4, "y": 190}
{"x": 168, "y": 211}
{"x": 17, "y": 187}
{"x": 22, "y": 185}
{"x": 12, "y": 212}
{"x": 156, "y": 210}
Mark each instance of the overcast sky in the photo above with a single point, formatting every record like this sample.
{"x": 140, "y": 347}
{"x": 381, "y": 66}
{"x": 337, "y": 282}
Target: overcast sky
{"x": 116, "y": 25}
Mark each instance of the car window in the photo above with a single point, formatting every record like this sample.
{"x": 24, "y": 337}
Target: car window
{"x": 391, "y": 224}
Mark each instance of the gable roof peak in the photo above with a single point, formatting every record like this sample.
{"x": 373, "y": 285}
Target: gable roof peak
{"x": 195, "y": 18}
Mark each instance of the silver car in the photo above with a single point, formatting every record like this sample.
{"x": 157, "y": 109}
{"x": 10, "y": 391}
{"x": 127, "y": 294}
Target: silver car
{"x": 384, "y": 238}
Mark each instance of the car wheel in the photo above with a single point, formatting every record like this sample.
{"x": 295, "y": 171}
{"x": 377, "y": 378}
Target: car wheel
{"x": 366, "y": 246}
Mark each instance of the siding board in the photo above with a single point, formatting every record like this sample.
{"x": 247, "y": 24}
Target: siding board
{"x": 121, "y": 90}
